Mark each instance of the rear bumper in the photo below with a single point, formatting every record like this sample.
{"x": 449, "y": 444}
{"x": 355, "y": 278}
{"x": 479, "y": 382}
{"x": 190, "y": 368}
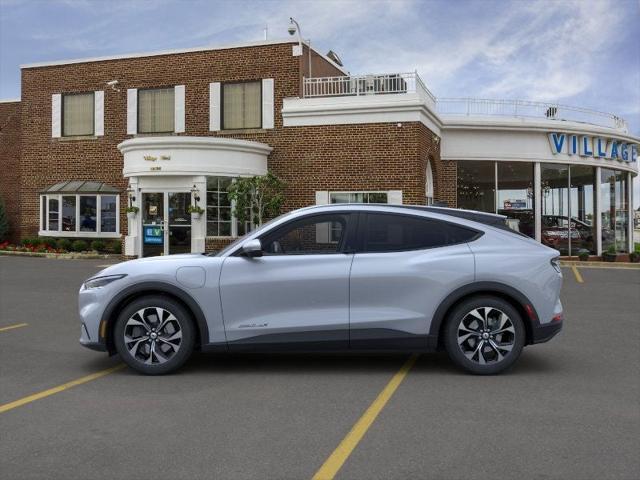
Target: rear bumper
{"x": 545, "y": 332}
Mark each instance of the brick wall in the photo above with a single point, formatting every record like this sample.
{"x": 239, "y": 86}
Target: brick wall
{"x": 10, "y": 161}
{"x": 340, "y": 157}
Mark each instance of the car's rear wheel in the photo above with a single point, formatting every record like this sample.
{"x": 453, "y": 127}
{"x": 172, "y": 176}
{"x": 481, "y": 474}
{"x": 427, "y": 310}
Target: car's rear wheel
{"x": 154, "y": 335}
{"x": 484, "y": 335}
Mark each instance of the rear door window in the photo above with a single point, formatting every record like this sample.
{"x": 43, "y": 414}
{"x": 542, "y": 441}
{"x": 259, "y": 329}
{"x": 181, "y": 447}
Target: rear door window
{"x": 388, "y": 232}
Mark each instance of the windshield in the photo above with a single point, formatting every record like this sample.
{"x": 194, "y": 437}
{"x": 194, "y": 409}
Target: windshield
{"x": 238, "y": 240}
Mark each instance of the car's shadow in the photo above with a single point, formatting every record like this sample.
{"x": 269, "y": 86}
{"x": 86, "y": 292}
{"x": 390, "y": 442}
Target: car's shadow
{"x": 350, "y": 363}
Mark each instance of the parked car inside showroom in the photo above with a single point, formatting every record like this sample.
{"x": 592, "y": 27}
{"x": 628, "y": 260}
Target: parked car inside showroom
{"x": 342, "y": 277}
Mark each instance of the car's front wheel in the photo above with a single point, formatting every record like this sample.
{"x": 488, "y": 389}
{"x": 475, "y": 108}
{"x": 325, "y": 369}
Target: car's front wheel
{"x": 154, "y": 335}
{"x": 484, "y": 335}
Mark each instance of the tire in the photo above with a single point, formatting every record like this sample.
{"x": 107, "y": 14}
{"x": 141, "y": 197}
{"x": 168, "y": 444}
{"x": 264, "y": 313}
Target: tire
{"x": 502, "y": 337}
{"x": 147, "y": 348}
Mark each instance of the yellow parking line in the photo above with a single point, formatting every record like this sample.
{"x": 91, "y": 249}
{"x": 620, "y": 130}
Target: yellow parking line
{"x": 11, "y": 327}
{"x": 332, "y": 465}
{"x": 576, "y": 273}
{"x": 60, "y": 388}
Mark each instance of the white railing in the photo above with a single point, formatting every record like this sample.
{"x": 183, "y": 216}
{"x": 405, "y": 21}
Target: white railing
{"x": 524, "y": 108}
{"x": 356, "y": 85}
{"x": 400, "y": 83}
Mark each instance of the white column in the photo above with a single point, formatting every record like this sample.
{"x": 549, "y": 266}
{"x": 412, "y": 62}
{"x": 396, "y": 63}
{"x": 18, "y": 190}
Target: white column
{"x": 214, "y": 106}
{"x": 133, "y": 239}
{"x": 98, "y": 112}
{"x": 179, "y": 100}
{"x": 199, "y": 226}
{"x": 537, "y": 200}
{"x": 56, "y": 115}
{"x": 132, "y": 111}
{"x": 598, "y": 214}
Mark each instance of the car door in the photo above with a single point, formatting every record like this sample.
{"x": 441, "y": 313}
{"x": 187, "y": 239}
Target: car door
{"x": 404, "y": 268}
{"x": 297, "y": 292}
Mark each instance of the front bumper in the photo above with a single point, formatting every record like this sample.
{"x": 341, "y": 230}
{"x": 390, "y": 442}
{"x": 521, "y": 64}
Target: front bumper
{"x": 86, "y": 341}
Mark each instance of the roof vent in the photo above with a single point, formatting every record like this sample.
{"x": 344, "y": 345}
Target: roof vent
{"x": 333, "y": 56}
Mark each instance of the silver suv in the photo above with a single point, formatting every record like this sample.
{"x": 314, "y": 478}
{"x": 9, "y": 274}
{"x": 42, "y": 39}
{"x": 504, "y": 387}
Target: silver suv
{"x": 337, "y": 277}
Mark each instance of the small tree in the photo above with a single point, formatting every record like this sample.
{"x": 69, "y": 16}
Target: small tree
{"x": 256, "y": 198}
{"x": 4, "y": 222}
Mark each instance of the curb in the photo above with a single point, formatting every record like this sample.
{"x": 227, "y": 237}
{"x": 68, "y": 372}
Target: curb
{"x": 610, "y": 265}
{"x": 62, "y": 256}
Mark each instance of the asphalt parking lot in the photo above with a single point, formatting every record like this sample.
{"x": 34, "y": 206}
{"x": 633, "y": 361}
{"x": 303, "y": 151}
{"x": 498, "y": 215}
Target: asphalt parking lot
{"x": 569, "y": 409}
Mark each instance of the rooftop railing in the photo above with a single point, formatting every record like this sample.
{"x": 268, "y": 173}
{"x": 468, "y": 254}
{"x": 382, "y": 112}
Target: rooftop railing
{"x": 357, "y": 85}
{"x": 528, "y": 109}
{"x": 399, "y": 83}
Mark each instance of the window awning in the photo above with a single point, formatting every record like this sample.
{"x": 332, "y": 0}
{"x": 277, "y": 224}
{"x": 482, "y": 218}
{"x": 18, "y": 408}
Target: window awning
{"x": 81, "y": 186}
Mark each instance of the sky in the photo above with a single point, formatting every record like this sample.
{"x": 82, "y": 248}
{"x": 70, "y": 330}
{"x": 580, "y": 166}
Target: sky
{"x": 584, "y": 53}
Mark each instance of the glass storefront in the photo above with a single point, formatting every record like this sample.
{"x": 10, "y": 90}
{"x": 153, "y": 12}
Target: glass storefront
{"x": 554, "y": 181}
{"x": 614, "y": 210}
{"x": 568, "y": 196}
{"x": 477, "y": 186}
{"x": 516, "y": 197}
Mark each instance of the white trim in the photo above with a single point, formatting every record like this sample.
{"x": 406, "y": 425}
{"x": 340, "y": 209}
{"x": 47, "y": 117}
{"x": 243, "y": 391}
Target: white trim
{"x": 322, "y": 197}
{"x": 132, "y": 111}
{"x": 47, "y": 233}
{"x": 391, "y": 108}
{"x": 56, "y": 115}
{"x": 394, "y": 197}
{"x": 9, "y": 100}
{"x": 98, "y": 113}
{"x": 428, "y": 187}
{"x": 268, "y": 114}
{"x": 214, "y": 107}
{"x": 172, "y": 52}
{"x": 179, "y": 100}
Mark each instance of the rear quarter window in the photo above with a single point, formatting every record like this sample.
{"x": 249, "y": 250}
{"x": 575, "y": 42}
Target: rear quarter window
{"x": 388, "y": 232}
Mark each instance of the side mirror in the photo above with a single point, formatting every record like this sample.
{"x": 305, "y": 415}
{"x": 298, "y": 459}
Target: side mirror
{"x": 252, "y": 248}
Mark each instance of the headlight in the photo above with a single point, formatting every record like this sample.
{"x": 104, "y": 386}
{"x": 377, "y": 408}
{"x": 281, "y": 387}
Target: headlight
{"x": 555, "y": 263}
{"x": 98, "y": 282}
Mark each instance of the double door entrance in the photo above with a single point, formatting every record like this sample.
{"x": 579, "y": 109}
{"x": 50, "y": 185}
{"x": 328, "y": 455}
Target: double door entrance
{"x": 166, "y": 224}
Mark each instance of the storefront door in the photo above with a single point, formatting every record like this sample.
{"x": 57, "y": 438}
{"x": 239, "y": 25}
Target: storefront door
{"x": 166, "y": 224}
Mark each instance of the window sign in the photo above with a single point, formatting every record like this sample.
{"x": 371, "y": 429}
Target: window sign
{"x": 153, "y": 235}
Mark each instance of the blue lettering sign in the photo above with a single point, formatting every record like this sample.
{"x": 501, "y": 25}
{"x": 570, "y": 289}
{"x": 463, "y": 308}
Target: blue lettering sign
{"x": 624, "y": 152}
{"x": 634, "y": 153}
{"x": 601, "y": 150}
{"x": 557, "y": 142}
{"x": 585, "y": 147}
{"x": 614, "y": 150}
{"x": 573, "y": 148}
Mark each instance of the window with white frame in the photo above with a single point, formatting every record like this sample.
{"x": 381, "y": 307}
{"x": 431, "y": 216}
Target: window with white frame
{"x": 78, "y": 114}
{"x": 156, "y": 110}
{"x": 79, "y": 215}
{"x": 221, "y": 220}
{"x": 358, "y": 197}
{"x": 429, "y": 184}
{"x": 241, "y": 105}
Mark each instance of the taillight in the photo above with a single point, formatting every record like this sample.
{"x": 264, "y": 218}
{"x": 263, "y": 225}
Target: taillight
{"x": 558, "y": 318}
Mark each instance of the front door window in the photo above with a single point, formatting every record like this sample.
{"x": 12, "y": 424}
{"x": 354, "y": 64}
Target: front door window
{"x": 166, "y": 225}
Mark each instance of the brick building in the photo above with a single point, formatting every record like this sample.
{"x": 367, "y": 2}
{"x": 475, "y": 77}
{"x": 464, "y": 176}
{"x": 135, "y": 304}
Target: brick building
{"x": 164, "y": 130}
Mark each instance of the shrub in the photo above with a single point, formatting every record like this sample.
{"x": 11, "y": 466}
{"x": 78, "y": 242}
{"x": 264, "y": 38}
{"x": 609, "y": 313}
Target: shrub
{"x": 98, "y": 245}
{"x": 115, "y": 247}
{"x": 64, "y": 244}
{"x": 46, "y": 242}
{"x": 28, "y": 241}
{"x": 79, "y": 246}
{"x": 583, "y": 255}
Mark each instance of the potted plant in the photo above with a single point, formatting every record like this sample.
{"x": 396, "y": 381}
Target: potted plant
{"x": 583, "y": 255}
{"x": 610, "y": 255}
{"x": 132, "y": 211}
{"x": 635, "y": 255}
{"x": 195, "y": 211}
